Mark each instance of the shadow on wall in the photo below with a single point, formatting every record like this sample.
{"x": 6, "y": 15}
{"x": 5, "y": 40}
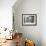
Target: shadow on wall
{"x": 27, "y": 7}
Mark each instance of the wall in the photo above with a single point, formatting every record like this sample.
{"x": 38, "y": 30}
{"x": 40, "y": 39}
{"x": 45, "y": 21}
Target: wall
{"x": 6, "y": 13}
{"x": 28, "y": 7}
{"x": 43, "y": 22}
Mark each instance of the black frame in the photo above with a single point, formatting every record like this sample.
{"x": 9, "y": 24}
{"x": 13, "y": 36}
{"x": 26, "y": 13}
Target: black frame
{"x": 35, "y": 15}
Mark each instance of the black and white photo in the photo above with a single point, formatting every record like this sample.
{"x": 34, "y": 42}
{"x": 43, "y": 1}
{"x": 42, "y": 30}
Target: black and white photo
{"x": 29, "y": 19}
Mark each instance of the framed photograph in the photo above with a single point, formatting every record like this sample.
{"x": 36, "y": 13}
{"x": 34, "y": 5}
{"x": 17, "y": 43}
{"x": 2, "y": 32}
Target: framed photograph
{"x": 29, "y": 19}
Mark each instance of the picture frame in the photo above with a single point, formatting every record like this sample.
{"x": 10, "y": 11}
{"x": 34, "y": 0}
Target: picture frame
{"x": 29, "y": 19}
